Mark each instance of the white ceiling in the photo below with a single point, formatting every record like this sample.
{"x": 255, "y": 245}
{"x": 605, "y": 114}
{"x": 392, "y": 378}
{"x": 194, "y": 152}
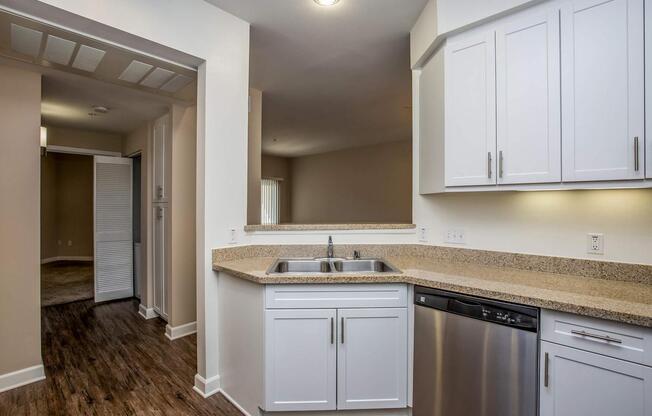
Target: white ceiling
{"x": 332, "y": 77}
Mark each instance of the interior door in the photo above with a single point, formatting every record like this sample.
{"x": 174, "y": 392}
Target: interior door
{"x": 575, "y": 382}
{"x": 372, "y": 358}
{"x": 470, "y": 111}
{"x": 113, "y": 248}
{"x": 602, "y": 90}
{"x": 528, "y": 99}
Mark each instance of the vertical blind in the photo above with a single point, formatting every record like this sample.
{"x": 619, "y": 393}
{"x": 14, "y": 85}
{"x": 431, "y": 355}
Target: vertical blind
{"x": 269, "y": 199}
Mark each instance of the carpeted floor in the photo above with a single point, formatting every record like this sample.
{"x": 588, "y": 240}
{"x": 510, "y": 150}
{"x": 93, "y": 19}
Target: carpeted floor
{"x": 66, "y": 281}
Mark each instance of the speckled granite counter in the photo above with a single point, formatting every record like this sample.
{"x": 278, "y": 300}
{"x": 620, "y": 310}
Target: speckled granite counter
{"x": 619, "y": 292}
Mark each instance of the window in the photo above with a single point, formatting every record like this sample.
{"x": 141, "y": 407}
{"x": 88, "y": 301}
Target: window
{"x": 269, "y": 200}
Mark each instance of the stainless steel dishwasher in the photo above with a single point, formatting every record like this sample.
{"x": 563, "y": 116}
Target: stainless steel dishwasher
{"x": 473, "y": 356}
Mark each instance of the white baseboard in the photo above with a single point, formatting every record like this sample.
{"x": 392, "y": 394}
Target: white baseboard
{"x": 66, "y": 258}
{"x": 146, "y": 313}
{"x": 206, "y": 388}
{"x": 234, "y": 403}
{"x": 21, "y": 377}
{"x": 176, "y": 332}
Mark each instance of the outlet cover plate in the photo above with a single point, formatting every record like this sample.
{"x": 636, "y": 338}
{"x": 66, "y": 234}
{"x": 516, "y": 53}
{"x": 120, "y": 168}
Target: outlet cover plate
{"x": 455, "y": 236}
{"x": 595, "y": 243}
{"x": 423, "y": 234}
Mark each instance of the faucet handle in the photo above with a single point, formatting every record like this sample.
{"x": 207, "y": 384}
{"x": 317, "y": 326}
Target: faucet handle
{"x": 356, "y": 254}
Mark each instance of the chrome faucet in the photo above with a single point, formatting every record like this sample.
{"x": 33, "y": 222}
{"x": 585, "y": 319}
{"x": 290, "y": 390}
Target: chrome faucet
{"x": 329, "y": 252}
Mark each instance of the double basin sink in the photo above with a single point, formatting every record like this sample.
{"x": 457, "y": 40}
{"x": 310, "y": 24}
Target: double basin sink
{"x": 330, "y": 265}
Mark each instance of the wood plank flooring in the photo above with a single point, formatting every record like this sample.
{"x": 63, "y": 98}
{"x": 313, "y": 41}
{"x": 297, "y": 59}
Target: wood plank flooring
{"x": 106, "y": 360}
{"x": 66, "y": 281}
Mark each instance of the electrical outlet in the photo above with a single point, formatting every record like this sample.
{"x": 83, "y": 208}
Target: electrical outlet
{"x": 455, "y": 236}
{"x": 595, "y": 243}
{"x": 69, "y": 243}
{"x": 233, "y": 235}
{"x": 423, "y": 234}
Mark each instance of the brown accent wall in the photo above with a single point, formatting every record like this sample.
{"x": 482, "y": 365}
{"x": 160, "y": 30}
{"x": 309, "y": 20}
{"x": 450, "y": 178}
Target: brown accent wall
{"x": 365, "y": 184}
{"x": 84, "y": 139}
{"x": 20, "y": 305}
{"x": 66, "y": 205}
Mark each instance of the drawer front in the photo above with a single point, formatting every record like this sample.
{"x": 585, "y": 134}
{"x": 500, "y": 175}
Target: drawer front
{"x": 613, "y": 339}
{"x": 302, "y": 296}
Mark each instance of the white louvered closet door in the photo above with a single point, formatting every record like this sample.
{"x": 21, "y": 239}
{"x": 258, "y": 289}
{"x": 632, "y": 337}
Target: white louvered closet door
{"x": 113, "y": 232}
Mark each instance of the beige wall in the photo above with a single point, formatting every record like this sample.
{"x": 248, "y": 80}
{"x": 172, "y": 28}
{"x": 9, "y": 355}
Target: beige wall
{"x": 66, "y": 205}
{"x": 274, "y": 167}
{"x": 20, "y": 118}
{"x": 138, "y": 141}
{"x": 254, "y": 154}
{"x": 366, "y": 184}
{"x": 183, "y": 295}
{"x": 84, "y": 139}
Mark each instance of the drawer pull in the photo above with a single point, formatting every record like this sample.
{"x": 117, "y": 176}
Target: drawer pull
{"x": 596, "y": 336}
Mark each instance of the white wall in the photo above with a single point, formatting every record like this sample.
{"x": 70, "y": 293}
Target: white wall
{"x": 199, "y": 29}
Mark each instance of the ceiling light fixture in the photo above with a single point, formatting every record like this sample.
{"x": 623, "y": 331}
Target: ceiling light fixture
{"x": 327, "y": 2}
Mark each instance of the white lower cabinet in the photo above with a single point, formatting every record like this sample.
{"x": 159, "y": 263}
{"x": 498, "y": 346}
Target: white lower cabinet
{"x": 337, "y": 358}
{"x": 580, "y": 383}
{"x": 300, "y": 359}
{"x": 372, "y": 358}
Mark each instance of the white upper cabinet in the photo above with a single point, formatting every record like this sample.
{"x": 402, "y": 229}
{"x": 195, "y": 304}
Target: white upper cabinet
{"x": 300, "y": 359}
{"x": 602, "y": 90}
{"x": 372, "y": 358}
{"x": 648, "y": 82}
{"x": 528, "y": 99}
{"x": 470, "y": 111}
{"x": 160, "y": 150}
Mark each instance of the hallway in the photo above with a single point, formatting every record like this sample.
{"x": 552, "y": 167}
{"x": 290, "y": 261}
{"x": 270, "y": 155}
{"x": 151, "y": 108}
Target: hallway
{"x": 65, "y": 282}
{"x": 106, "y": 360}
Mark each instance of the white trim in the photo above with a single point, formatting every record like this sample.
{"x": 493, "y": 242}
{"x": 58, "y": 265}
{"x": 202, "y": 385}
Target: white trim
{"x": 81, "y": 151}
{"x": 206, "y": 388}
{"x": 234, "y": 403}
{"x": 66, "y": 258}
{"x": 176, "y": 332}
{"x": 22, "y": 377}
{"x": 146, "y": 313}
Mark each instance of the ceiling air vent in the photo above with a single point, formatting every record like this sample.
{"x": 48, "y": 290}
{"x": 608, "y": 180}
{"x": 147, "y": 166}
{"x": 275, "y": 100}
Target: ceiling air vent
{"x": 135, "y": 71}
{"x": 88, "y": 58}
{"x": 25, "y": 40}
{"x": 156, "y": 78}
{"x": 58, "y": 50}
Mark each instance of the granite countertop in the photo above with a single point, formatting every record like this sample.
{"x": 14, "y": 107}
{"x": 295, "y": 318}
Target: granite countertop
{"x": 622, "y": 301}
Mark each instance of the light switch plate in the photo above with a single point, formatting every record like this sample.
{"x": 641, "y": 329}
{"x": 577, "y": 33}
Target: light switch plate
{"x": 423, "y": 235}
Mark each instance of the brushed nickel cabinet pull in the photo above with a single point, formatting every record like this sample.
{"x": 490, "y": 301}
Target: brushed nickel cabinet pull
{"x": 342, "y": 330}
{"x": 332, "y": 330}
{"x": 489, "y": 164}
{"x": 636, "y": 167}
{"x": 500, "y": 164}
{"x": 545, "y": 370}
{"x": 596, "y": 336}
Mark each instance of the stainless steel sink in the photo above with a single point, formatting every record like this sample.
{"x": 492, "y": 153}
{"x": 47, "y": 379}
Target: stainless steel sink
{"x": 334, "y": 265}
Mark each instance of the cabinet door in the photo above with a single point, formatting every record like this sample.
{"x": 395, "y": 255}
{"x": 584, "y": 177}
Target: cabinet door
{"x": 160, "y": 144}
{"x": 372, "y": 358}
{"x": 300, "y": 359}
{"x": 602, "y": 90}
{"x": 579, "y": 383}
{"x": 528, "y": 99}
{"x": 470, "y": 111}
{"x": 159, "y": 272}
{"x": 648, "y": 90}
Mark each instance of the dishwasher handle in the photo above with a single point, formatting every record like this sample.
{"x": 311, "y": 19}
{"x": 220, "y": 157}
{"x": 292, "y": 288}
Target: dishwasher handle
{"x": 464, "y": 307}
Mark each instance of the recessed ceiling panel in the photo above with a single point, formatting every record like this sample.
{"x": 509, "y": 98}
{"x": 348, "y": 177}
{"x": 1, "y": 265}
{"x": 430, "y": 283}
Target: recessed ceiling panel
{"x": 25, "y": 40}
{"x": 58, "y": 50}
{"x": 88, "y": 58}
{"x": 156, "y": 78}
{"x": 135, "y": 71}
{"x": 176, "y": 83}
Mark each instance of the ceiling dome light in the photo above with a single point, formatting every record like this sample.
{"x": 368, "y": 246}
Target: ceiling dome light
{"x": 327, "y": 2}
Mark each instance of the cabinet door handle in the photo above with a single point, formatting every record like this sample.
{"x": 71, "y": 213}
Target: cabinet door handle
{"x": 546, "y": 362}
{"x": 636, "y": 167}
{"x": 489, "y": 173}
{"x": 596, "y": 336}
{"x": 500, "y": 164}
{"x": 159, "y": 191}
{"x": 332, "y": 330}
{"x": 342, "y": 330}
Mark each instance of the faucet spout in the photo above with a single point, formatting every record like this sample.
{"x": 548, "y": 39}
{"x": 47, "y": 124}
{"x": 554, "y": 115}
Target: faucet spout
{"x": 329, "y": 252}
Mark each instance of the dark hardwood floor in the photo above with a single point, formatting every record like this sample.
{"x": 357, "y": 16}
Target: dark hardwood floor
{"x": 106, "y": 360}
